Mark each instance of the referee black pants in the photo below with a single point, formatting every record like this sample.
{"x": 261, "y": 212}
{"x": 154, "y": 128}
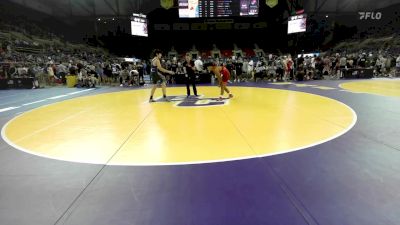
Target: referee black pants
{"x": 191, "y": 80}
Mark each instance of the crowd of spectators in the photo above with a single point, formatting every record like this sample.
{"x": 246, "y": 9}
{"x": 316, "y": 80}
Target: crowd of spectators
{"x": 274, "y": 68}
{"x": 49, "y": 60}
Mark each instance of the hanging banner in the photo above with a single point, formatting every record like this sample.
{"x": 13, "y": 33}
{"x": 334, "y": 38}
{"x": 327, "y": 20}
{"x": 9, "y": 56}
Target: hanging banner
{"x": 271, "y": 3}
{"x": 167, "y": 4}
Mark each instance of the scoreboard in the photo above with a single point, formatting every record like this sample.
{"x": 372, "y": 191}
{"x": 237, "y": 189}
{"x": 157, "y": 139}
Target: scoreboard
{"x": 217, "y": 8}
{"x": 297, "y": 24}
{"x": 139, "y": 25}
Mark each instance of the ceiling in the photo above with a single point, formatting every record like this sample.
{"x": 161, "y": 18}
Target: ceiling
{"x": 343, "y": 6}
{"x": 68, "y": 8}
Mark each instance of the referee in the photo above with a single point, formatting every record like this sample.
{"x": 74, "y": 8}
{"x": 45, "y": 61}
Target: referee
{"x": 189, "y": 69}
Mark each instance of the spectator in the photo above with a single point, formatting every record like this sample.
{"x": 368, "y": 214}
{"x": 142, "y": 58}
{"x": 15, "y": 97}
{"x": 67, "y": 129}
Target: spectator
{"x": 50, "y": 74}
{"x": 198, "y": 64}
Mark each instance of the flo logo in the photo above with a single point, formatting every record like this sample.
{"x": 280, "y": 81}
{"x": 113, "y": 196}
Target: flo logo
{"x": 200, "y": 101}
{"x": 370, "y": 15}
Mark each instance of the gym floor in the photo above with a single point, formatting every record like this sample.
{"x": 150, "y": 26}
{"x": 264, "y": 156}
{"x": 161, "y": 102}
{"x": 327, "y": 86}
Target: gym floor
{"x": 317, "y": 152}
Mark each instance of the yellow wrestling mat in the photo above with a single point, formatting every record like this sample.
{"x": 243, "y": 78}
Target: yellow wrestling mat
{"x": 378, "y": 87}
{"x": 122, "y": 128}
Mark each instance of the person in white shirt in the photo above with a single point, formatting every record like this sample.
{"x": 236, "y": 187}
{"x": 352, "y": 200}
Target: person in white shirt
{"x": 250, "y": 69}
{"x": 398, "y": 62}
{"x": 134, "y": 77}
{"x": 383, "y": 61}
{"x": 50, "y": 73}
{"x": 342, "y": 65}
{"x": 245, "y": 66}
{"x": 198, "y": 64}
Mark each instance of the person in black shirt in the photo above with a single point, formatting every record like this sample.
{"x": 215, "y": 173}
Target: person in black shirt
{"x": 156, "y": 76}
{"x": 173, "y": 68}
{"x": 107, "y": 72}
{"x": 362, "y": 61}
{"x": 238, "y": 65}
{"x": 188, "y": 67}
